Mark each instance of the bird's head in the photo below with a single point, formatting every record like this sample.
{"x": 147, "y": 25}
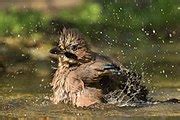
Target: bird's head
{"x": 71, "y": 45}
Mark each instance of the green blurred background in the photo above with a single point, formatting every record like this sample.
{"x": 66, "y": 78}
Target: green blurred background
{"x": 142, "y": 34}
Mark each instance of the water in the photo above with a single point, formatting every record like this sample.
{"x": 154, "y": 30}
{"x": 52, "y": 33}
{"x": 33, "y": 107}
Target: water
{"x": 27, "y": 97}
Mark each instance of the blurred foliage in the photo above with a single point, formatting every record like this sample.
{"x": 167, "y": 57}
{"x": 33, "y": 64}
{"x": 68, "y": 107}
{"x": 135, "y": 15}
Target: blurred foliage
{"x": 127, "y": 20}
{"x": 15, "y": 22}
{"x": 132, "y": 29}
{"x": 86, "y": 14}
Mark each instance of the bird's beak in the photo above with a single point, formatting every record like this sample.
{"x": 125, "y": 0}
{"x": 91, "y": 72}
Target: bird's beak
{"x": 56, "y": 50}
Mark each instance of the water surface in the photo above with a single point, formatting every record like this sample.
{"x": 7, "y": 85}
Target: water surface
{"x": 27, "y": 97}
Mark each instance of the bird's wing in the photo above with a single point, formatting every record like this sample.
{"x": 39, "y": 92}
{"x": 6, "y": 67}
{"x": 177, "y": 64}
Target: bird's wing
{"x": 73, "y": 83}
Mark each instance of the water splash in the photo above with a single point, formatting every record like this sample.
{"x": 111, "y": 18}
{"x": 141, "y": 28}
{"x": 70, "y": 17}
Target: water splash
{"x": 121, "y": 98}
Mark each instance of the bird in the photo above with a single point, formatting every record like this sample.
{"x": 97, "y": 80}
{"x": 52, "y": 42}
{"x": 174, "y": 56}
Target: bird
{"x": 84, "y": 78}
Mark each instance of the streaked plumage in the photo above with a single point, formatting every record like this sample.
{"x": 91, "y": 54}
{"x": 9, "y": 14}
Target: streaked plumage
{"x": 84, "y": 78}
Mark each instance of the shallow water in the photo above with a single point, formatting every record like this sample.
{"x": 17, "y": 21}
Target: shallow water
{"x": 27, "y": 97}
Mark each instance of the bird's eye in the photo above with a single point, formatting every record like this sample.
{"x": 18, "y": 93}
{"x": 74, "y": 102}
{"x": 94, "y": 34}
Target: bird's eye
{"x": 74, "y": 47}
{"x": 70, "y": 55}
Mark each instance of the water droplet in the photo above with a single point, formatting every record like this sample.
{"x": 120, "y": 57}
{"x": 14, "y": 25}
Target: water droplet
{"x": 166, "y": 76}
{"x": 170, "y": 35}
{"x": 135, "y": 48}
{"x": 171, "y": 41}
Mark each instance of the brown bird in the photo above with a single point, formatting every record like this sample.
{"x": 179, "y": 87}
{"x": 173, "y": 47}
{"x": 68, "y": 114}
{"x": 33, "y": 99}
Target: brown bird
{"x": 84, "y": 78}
